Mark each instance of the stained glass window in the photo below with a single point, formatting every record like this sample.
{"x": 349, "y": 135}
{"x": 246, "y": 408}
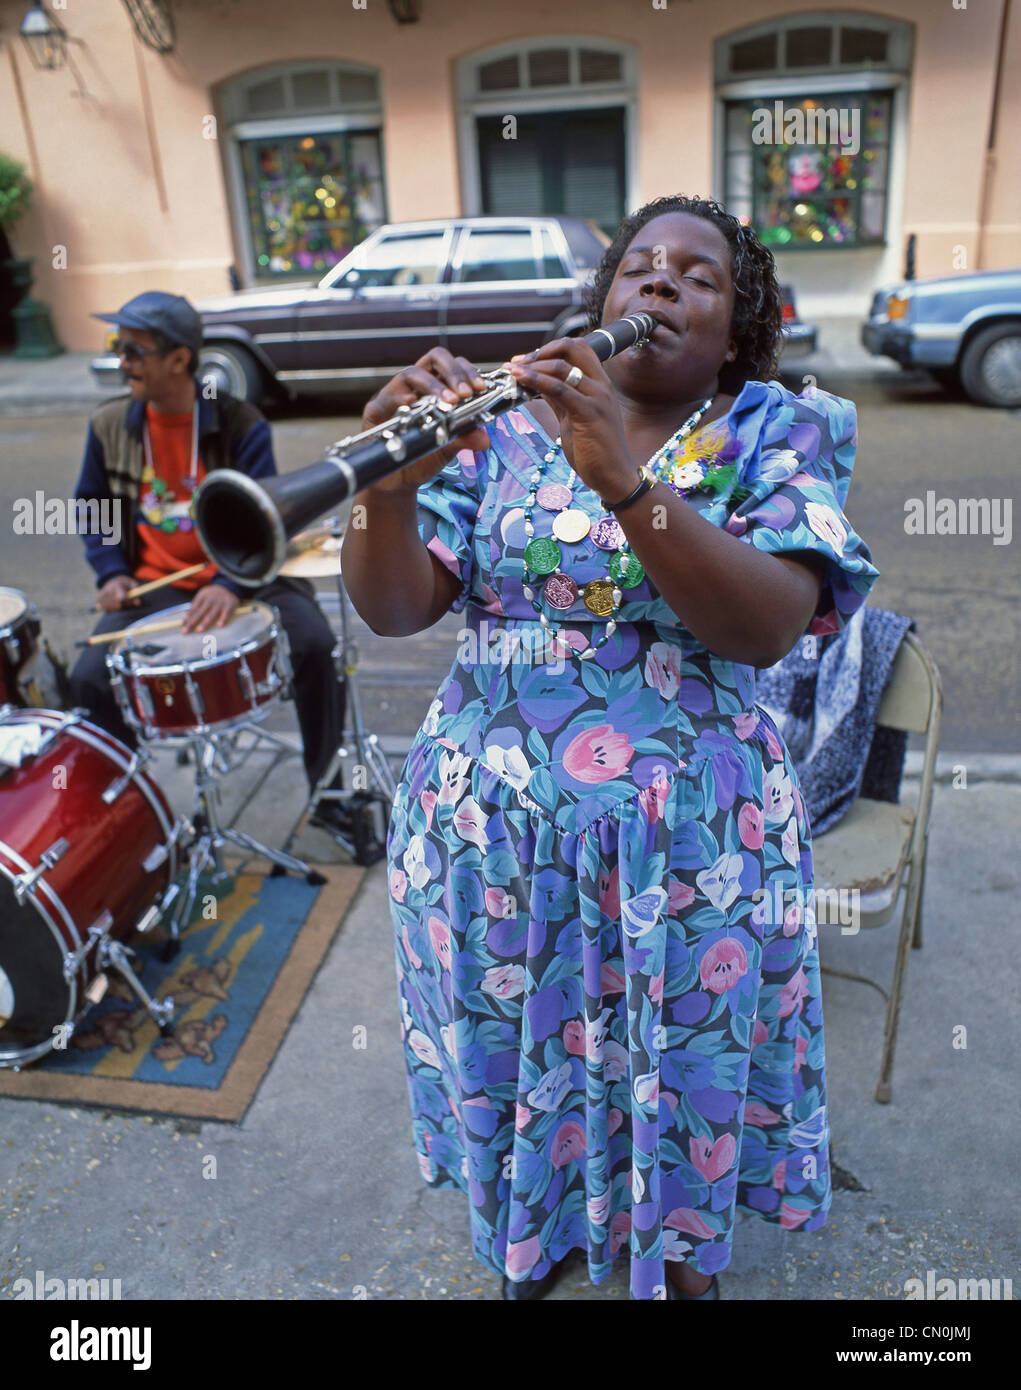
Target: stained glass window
{"x": 810, "y": 172}
{"x": 311, "y": 198}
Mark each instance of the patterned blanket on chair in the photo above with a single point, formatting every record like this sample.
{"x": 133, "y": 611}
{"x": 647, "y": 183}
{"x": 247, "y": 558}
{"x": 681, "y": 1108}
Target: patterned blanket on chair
{"x": 824, "y": 696}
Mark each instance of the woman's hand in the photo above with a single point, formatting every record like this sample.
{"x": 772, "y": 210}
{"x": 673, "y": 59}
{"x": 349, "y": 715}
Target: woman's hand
{"x": 591, "y": 424}
{"x": 439, "y": 374}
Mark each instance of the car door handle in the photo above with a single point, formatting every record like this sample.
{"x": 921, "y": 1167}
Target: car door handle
{"x": 423, "y": 298}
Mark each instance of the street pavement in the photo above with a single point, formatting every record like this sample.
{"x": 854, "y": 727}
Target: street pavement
{"x": 317, "y": 1194}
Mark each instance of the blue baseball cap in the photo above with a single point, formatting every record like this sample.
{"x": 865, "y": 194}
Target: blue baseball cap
{"x": 158, "y": 312}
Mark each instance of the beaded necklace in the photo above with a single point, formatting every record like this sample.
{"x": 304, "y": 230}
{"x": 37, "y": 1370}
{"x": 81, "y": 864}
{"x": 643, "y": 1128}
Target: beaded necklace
{"x": 156, "y": 501}
{"x": 542, "y": 555}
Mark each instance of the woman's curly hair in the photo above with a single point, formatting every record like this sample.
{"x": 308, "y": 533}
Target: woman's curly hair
{"x": 756, "y": 325}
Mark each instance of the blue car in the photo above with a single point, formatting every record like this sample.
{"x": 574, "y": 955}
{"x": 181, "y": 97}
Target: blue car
{"x": 964, "y": 330}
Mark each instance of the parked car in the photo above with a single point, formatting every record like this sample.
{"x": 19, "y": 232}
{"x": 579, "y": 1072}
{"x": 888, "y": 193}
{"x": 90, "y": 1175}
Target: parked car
{"x": 965, "y": 330}
{"x": 483, "y": 287}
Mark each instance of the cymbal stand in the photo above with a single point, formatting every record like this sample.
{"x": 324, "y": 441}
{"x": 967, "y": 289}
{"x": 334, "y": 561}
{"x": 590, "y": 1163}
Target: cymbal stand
{"x": 360, "y": 750}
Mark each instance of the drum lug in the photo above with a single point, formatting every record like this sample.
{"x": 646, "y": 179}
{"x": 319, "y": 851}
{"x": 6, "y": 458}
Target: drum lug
{"x": 144, "y": 695}
{"x": 156, "y": 857}
{"x": 97, "y": 932}
{"x": 156, "y": 913}
{"x": 120, "y": 784}
{"x": 249, "y": 690}
{"x": 24, "y": 883}
{"x": 198, "y": 705}
{"x": 286, "y": 671}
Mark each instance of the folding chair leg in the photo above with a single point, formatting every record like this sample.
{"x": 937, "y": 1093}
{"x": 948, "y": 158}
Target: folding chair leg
{"x": 916, "y": 935}
{"x": 884, "y": 1088}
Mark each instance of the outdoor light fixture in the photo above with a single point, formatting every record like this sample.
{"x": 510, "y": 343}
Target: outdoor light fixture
{"x": 45, "y": 38}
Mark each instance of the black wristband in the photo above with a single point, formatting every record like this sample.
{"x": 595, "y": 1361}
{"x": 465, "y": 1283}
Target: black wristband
{"x": 644, "y": 486}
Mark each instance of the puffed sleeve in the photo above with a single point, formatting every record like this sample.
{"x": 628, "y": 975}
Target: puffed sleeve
{"x": 793, "y": 487}
{"x": 448, "y": 506}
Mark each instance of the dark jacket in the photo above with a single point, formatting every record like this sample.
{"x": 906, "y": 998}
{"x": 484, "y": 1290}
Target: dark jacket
{"x": 232, "y": 434}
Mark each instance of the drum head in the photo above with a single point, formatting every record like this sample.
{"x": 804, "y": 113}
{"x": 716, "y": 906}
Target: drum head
{"x": 13, "y": 604}
{"x": 34, "y": 996}
{"x": 158, "y": 649}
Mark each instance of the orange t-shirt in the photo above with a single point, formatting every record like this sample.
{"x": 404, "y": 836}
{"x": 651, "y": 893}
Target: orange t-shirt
{"x": 163, "y": 550}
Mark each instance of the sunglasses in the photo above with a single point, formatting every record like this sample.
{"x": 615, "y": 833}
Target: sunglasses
{"x": 132, "y": 352}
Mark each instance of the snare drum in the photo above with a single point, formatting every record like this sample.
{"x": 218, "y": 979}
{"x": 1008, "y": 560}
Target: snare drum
{"x": 19, "y": 645}
{"x": 173, "y": 685}
{"x": 88, "y": 853}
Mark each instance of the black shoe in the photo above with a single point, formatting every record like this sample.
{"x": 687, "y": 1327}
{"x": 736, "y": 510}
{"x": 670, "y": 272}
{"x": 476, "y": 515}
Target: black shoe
{"x": 531, "y": 1288}
{"x": 674, "y": 1293}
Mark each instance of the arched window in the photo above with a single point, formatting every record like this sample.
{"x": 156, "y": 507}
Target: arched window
{"x": 304, "y": 163}
{"x": 807, "y": 119}
{"x": 546, "y": 127}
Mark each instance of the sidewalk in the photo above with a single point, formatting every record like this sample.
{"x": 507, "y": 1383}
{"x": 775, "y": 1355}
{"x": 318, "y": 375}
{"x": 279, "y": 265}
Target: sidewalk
{"x": 318, "y": 1194}
{"x": 64, "y": 385}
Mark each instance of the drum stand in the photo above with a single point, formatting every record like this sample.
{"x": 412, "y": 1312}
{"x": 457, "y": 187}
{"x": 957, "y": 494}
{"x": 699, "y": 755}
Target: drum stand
{"x": 369, "y": 765}
{"x": 112, "y": 954}
{"x": 206, "y": 850}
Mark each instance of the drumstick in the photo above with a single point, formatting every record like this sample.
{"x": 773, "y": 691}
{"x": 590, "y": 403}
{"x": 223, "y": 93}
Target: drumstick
{"x": 141, "y": 589}
{"x": 166, "y": 626}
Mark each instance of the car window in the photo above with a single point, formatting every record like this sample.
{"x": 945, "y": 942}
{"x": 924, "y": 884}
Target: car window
{"x": 497, "y": 255}
{"x": 553, "y": 267}
{"x": 416, "y": 259}
{"x": 586, "y": 240}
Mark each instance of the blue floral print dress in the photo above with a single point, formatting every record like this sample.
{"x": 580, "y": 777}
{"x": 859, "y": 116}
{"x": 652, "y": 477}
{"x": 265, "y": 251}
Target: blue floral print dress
{"x": 611, "y": 1016}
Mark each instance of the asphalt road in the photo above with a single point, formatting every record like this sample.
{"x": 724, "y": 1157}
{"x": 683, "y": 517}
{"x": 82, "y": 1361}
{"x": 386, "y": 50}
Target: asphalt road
{"x": 962, "y": 590}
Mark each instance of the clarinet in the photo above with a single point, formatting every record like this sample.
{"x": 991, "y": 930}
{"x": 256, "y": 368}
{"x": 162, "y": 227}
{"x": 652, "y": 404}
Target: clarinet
{"x": 244, "y": 526}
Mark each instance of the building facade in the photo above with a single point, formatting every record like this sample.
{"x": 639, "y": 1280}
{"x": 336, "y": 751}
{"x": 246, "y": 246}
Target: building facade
{"x": 267, "y": 140}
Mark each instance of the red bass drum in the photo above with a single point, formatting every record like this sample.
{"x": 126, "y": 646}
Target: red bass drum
{"x": 88, "y": 855}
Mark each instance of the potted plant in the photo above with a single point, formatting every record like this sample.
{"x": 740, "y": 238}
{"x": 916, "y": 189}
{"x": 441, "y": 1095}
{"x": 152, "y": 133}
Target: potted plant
{"x": 31, "y": 320}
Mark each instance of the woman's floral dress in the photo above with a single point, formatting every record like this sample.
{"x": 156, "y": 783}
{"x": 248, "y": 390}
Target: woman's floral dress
{"x": 609, "y": 979}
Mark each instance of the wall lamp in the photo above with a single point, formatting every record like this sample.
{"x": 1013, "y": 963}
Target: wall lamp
{"x": 45, "y": 38}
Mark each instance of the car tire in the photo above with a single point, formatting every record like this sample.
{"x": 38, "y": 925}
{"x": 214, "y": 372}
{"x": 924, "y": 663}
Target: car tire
{"x": 233, "y": 370}
{"x": 991, "y": 366}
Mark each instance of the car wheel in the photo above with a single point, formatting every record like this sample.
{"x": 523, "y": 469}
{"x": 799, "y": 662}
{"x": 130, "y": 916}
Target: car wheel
{"x": 233, "y": 370}
{"x": 991, "y": 365}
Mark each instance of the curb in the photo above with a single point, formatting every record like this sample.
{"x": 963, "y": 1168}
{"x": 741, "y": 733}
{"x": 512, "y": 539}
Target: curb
{"x": 65, "y": 405}
{"x": 977, "y": 767}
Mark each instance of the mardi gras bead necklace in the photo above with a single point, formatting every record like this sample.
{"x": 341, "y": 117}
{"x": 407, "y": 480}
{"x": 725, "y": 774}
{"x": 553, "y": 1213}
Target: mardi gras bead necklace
{"x": 543, "y": 556}
{"x": 155, "y": 500}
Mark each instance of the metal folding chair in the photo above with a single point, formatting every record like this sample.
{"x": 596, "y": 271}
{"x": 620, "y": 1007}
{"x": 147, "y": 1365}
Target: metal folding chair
{"x": 879, "y": 848}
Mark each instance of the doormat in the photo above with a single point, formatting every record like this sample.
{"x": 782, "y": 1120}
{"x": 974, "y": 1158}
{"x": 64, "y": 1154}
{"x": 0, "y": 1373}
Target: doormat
{"x": 245, "y": 964}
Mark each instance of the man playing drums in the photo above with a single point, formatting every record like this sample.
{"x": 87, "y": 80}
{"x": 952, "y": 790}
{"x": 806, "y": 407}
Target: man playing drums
{"x": 149, "y": 453}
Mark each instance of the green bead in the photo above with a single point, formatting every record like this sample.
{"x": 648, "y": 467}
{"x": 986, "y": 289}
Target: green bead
{"x": 168, "y": 524}
{"x": 626, "y": 570}
{"x": 159, "y": 486}
{"x": 542, "y": 555}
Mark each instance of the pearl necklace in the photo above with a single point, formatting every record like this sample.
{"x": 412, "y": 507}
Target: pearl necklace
{"x": 602, "y": 597}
